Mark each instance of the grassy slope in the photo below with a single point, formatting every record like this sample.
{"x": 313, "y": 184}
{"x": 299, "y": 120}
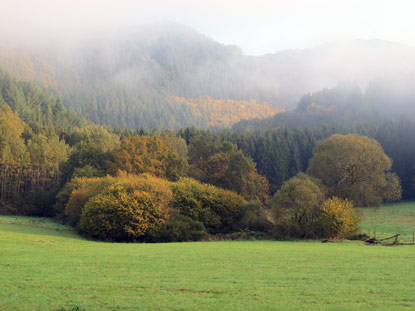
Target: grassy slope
{"x": 44, "y": 266}
{"x": 389, "y": 220}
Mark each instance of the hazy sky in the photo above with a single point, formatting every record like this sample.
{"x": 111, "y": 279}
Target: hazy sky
{"x": 257, "y": 26}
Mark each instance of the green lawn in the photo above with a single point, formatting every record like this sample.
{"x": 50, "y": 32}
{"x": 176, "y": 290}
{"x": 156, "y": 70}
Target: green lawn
{"x": 45, "y": 266}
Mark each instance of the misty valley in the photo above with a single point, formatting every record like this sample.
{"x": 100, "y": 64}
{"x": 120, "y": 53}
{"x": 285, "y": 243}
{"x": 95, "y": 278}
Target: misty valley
{"x": 286, "y": 174}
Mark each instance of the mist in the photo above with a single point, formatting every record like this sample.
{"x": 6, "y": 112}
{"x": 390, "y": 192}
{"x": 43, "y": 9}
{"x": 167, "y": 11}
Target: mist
{"x": 258, "y": 27}
{"x": 102, "y": 54}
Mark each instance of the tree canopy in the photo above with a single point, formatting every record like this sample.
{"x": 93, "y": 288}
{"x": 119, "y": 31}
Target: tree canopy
{"x": 296, "y": 206}
{"x": 150, "y": 154}
{"x": 354, "y": 167}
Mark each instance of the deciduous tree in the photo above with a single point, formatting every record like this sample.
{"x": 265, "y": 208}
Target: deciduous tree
{"x": 354, "y": 167}
{"x": 296, "y": 206}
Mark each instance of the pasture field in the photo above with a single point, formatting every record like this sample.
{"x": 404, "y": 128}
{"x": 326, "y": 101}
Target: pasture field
{"x": 389, "y": 220}
{"x": 45, "y": 266}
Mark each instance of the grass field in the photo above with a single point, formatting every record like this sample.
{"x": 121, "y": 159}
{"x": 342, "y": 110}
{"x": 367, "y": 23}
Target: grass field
{"x": 45, "y": 266}
{"x": 389, "y": 220}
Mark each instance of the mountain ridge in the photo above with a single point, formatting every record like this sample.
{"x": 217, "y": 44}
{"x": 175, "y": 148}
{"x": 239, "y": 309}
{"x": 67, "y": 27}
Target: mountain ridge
{"x": 127, "y": 76}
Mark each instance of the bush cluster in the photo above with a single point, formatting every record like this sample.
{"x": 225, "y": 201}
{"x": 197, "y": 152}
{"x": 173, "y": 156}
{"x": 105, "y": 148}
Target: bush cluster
{"x": 338, "y": 219}
{"x": 178, "y": 228}
{"x": 147, "y": 208}
{"x": 117, "y": 208}
{"x": 83, "y": 189}
{"x": 121, "y": 214}
{"x": 302, "y": 210}
{"x": 216, "y": 208}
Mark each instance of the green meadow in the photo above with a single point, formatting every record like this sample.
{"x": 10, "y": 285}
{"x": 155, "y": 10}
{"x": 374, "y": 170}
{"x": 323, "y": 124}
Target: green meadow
{"x": 46, "y": 266}
{"x": 389, "y": 220}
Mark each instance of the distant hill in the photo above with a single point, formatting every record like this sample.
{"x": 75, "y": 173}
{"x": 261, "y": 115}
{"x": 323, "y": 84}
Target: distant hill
{"x": 347, "y": 104}
{"x": 160, "y": 75}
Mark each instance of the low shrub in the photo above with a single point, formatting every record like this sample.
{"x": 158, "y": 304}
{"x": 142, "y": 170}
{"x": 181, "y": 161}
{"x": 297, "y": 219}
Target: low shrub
{"x": 81, "y": 190}
{"x": 159, "y": 188}
{"x": 216, "y": 208}
{"x": 178, "y": 228}
{"x": 120, "y": 214}
{"x": 338, "y": 219}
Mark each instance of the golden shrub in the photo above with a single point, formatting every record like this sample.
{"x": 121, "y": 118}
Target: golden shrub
{"x": 338, "y": 218}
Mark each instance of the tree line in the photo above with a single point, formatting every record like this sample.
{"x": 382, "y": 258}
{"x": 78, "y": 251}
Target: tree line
{"x": 280, "y": 153}
{"x": 141, "y": 185}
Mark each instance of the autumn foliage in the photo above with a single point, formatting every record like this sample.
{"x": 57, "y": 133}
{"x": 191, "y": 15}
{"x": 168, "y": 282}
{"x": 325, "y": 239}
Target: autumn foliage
{"x": 81, "y": 190}
{"x": 30, "y": 159}
{"x": 355, "y": 167}
{"x": 226, "y": 111}
{"x": 338, "y": 218}
{"x": 223, "y": 165}
{"x": 216, "y": 208}
{"x": 125, "y": 210}
{"x": 120, "y": 215}
{"x": 149, "y": 154}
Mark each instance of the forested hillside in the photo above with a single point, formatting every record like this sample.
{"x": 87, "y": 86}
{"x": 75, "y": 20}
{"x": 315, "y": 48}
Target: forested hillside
{"x": 160, "y": 75}
{"x": 222, "y": 112}
{"x": 347, "y": 104}
{"x": 43, "y": 146}
{"x": 131, "y": 77}
{"x": 34, "y": 104}
{"x": 282, "y": 145}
